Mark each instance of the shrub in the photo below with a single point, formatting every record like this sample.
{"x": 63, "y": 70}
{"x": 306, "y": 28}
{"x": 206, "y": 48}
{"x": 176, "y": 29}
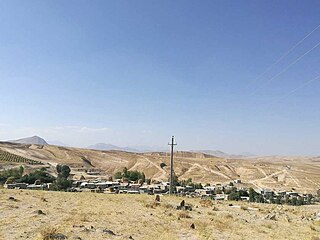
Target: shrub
{"x": 14, "y": 173}
{"x": 63, "y": 171}
{"x": 61, "y": 184}
{"x": 130, "y": 175}
{"x": 39, "y": 174}
{"x": 206, "y": 203}
{"x": 184, "y": 215}
{"x": 162, "y": 165}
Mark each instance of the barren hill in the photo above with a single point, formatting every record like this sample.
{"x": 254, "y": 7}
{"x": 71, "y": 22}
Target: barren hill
{"x": 31, "y": 140}
{"x": 287, "y": 173}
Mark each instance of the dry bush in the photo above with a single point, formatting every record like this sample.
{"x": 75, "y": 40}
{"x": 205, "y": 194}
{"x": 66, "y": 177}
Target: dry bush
{"x": 46, "y": 233}
{"x": 244, "y": 207}
{"x": 221, "y": 225}
{"x": 184, "y": 215}
{"x": 267, "y": 225}
{"x": 84, "y": 217}
{"x": 211, "y": 213}
{"x": 206, "y": 203}
{"x": 152, "y": 205}
{"x": 168, "y": 205}
{"x": 228, "y": 216}
{"x": 215, "y": 208}
{"x": 313, "y": 228}
{"x": 43, "y": 199}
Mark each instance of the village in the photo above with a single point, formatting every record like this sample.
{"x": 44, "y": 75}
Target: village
{"x": 219, "y": 192}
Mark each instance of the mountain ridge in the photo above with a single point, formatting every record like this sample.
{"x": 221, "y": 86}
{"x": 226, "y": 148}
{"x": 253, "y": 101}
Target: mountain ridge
{"x": 30, "y": 140}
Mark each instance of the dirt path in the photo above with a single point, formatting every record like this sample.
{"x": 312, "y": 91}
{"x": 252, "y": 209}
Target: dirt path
{"x": 164, "y": 173}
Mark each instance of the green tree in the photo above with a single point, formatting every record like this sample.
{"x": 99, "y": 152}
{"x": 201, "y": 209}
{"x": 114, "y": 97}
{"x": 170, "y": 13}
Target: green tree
{"x": 309, "y": 198}
{"x": 118, "y": 175}
{"x": 38, "y": 174}
{"x": 130, "y": 175}
{"x": 300, "y": 201}
{"x": 278, "y": 200}
{"x": 14, "y": 173}
{"x": 162, "y": 165}
{"x": 252, "y": 194}
{"x": 63, "y": 171}
{"x": 61, "y": 184}
{"x": 294, "y": 201}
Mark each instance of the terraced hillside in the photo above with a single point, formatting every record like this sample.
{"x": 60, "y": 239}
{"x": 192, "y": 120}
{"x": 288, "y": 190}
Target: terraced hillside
{"x": 9, "y": 157}
{"x": 285, "y": 173}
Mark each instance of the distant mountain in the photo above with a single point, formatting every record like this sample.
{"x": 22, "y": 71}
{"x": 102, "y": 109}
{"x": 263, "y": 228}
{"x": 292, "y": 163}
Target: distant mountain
{"x": 107, "y": 147}
{"x": 31, "y": 140}
{"x": 142, "y": 148}
{"x": 138, "y": 148}
{"x": 220, "y": 154}
{"x": 58, "y": 143}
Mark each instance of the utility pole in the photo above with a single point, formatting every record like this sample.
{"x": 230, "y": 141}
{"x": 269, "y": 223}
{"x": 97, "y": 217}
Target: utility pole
{"x": 172, "y": 144}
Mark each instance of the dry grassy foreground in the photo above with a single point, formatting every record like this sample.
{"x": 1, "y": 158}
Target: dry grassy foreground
{"x": 90, "y": 216}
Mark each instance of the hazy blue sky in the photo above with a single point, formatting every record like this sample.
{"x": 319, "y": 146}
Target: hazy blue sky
{"x": 137, "y": 72}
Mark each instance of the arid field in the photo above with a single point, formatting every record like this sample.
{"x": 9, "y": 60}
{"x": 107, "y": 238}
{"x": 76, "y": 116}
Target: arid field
{"x": 37, "y": 214}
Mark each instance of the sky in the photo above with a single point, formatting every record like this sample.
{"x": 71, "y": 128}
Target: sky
{"x": 137, "y": 72}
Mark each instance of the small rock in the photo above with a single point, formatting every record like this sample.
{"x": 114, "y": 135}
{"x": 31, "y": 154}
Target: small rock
{"x": 131, "y": 238}
{"x": 109, "y": 232}
{"x": 270, "y": 217}
{"x": 157, "y": 199}
{"x": 192, "y": 226}
{"x": 40, "y": 212}
{"x": 58, "y": 236}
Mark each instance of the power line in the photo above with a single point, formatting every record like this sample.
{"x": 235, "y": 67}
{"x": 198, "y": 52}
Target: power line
{"x": 299, "y": 87}
{"x": 289, "y": 66}
{"x": 285, "y": 54}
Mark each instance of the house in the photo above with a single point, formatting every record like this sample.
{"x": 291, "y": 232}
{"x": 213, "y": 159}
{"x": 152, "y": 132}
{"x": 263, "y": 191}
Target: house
{"x": 203, "y": 193}
{"x": 220, "y": 197}
{"x": 104, "y": 185}
{"x": 21, "y": 185}
{"x": 133, "y": 192}
{"x": 36, "y": 187}
{"x": 9, "y": 186}
{"x": 88, "y": 185}
{"x": 180, "y": 189}
{"x": 245, "y": 199}
{"x": 135, "y": 186}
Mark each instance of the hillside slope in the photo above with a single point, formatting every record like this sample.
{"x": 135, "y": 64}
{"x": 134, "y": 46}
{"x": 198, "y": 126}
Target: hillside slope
{"x": 299, "y": 173}
{"x": 121, "y": 216}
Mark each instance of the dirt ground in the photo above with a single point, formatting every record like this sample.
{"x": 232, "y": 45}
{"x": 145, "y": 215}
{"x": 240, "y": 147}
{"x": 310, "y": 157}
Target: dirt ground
{"x": 103, "y": 216}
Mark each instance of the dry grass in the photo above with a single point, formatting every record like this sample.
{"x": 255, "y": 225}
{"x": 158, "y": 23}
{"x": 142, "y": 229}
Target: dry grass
{"x": 47, "y": 233}
{"x": 244, "y": 207}
{"x": 95, "y": 216}
{"x": 184, "y": 214}
{"x": 206, "y": 203}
